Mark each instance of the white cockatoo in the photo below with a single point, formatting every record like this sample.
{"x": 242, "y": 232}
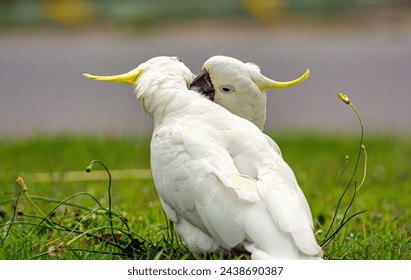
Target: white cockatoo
{"x": 219, "y": 179}
{"x": 239, "y": 87}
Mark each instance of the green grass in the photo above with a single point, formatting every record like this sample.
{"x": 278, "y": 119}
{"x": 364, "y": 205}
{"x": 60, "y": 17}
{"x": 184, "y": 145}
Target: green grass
{"x": 138, "y": 223}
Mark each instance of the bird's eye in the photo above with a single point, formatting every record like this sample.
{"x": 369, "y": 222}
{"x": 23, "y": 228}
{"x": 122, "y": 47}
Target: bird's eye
{"x": 227, "y": 89}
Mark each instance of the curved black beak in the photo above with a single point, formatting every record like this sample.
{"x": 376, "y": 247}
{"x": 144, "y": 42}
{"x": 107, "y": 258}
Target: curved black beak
{"x": 203, "y": 85}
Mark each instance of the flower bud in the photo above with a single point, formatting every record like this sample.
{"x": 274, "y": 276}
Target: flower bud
{"x": 21, "y": 183}
{"x": 344, "y": 98}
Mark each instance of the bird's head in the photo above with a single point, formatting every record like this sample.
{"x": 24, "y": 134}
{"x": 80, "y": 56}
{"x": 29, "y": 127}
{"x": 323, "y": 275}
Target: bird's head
{"x": 221, "y": 74}
{"x": 155, "y": 82}
{"x": 169, "y": 68}
{"x": 238, "y": 86}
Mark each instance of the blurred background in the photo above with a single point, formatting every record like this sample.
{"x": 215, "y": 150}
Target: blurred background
{"x": 359, "y": 47}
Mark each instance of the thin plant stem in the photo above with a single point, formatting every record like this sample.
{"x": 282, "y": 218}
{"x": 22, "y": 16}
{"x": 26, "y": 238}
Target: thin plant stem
{"x": 343, "y": 221}
{"x": 57, "y": 206}
{"x": 365, "y": 167}
{"x": 328, "y": 240}
{"x": 357, "y": 160}
{"x": 89, "y": 168}
{"x": 14, "y": 214}
{"x": 340, "y": 199}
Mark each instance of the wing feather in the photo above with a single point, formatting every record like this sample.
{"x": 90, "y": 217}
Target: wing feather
{"x": 278, "y": 188}
{"x": 209, "y": 180}
{"x": 200, "y": 183}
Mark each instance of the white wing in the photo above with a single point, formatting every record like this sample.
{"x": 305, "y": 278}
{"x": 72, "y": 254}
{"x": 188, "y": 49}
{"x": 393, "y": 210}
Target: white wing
{"x": 232, "y": 185}
{"x": 277, "y": 187}
{"x": 199, "y": 184}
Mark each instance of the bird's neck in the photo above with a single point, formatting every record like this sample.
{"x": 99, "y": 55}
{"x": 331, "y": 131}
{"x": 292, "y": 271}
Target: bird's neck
{"x": 160, "y": 98}
{"x": 259, "y": 117}
{"x": 250, "y": 107}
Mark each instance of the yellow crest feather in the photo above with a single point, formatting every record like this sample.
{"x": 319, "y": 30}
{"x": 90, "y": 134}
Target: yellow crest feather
{"x": 271, "y": 84}
{"x": 126, "y": 78}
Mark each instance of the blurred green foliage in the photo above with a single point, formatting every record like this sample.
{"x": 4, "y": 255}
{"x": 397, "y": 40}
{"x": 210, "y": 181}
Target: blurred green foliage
{"x": 143, "y": 12}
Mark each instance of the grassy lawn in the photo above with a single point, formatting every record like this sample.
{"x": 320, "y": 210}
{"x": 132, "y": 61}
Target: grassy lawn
{"x": 58, "y": 217}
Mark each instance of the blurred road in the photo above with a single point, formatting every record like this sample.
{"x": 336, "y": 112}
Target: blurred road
{"x": 42, "y": 89}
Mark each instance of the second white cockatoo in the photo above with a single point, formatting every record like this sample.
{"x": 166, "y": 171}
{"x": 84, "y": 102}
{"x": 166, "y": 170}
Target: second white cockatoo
{"x": 219, "y": 178}
{"x": 239, "y": 87}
